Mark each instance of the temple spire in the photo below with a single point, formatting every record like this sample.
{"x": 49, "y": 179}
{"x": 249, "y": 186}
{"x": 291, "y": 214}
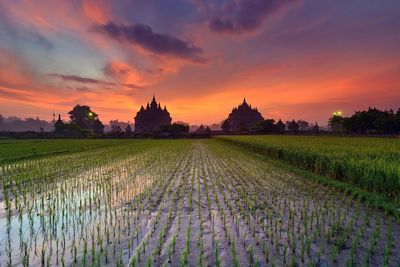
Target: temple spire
{"x": 153, "y": 103}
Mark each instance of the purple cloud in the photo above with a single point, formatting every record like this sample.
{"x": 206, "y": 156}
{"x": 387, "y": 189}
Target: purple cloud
{"x": 85, "y": 80}
{"x": 245, "y": 15}
{"x": 160, "y": 44}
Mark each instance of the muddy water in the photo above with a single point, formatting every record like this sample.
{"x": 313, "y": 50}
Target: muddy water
{"x": 200, "y": 204}
{"x": 270, "y": 217}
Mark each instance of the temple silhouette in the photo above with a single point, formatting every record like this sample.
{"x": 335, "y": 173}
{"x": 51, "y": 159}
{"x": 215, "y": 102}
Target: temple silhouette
{"x": 242, "y": 118}
{"x": 149, "y": 119}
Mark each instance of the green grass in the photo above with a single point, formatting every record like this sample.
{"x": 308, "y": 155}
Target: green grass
{"x": 369, "y": 164}
{"x": 21, "y": 149}
{"x": 161, "y": 202}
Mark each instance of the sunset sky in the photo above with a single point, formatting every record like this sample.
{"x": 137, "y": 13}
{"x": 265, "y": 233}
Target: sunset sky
{"x": 301, "y": 59}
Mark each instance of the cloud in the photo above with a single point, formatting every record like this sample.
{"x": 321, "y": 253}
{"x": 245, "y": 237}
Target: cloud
{"x": 79, "y": 79}
{"x": 245, "y": 15}
{"x": 43, "y": 41}
{"x": 130, "y": 74}
{"x": 94, "y": 11}
{"x": 84, "y": 80}
{"x": 20, "y": 125}
{"x": 159, "y": 44}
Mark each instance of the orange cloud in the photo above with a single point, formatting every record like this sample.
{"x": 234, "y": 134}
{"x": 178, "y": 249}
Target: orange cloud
{"x": 94, "y": 11}
{"x": 128, "y": 74}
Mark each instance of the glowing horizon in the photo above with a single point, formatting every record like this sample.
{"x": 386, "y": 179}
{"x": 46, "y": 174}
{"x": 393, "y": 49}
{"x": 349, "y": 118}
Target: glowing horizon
{"x": 300, "y": 59}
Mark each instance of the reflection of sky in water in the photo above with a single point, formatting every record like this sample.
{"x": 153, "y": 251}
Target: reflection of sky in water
{"x": 72, "y": 198}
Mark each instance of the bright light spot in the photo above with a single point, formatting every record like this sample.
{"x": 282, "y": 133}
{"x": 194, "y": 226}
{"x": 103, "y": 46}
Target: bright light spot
{"x": 90, "y": 114}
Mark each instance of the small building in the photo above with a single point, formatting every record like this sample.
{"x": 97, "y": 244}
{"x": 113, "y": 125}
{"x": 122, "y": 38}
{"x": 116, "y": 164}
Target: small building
{"x": 150, "y": 119}
{"x": 59, "y": 126}
{"x": 128, "y": 129}
{"x": 316, "y": 128}
{"x": 280, "y": 126}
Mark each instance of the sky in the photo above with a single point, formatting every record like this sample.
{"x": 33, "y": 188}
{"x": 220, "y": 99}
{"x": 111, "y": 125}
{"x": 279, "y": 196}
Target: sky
{"x": 301, "y": 59}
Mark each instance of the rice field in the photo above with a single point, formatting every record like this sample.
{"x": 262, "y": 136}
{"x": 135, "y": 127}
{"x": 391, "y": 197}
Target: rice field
{"x": 179, "y": 203}
{"x": 369, "y": 163}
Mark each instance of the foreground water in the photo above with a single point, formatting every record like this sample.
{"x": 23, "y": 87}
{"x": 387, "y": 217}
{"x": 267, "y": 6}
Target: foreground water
{"x": 194, "y": 203}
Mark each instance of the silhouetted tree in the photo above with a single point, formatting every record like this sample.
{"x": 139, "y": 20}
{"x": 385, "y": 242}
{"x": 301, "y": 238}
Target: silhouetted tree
{"x": 336, "y": 123}
{"x": 371, "y": 121}
{"x": 207, "y": 130}
{"x": 98, "y": 127}
{"x": 76, "y": 131}
{"x": 265, "y": 126}
{"x": 303, "y": 125}
{"x": 128, "y": 129}
{"x": 82, "y": 116}
{"x": 175, "y": 128}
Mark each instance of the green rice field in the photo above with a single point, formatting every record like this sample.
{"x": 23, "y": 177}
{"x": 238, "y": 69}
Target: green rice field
{"x": 224, "y": 201}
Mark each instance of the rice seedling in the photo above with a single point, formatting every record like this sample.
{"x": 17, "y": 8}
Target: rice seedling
{"x": 130, "y": 204}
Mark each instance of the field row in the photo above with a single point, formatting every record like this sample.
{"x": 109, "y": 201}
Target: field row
{"x": 371, "y": 164}
{"x": 182, "y": 203}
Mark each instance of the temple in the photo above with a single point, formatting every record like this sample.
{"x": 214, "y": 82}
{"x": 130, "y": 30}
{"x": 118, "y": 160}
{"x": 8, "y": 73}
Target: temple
{"x": 242, "y": 118}
{"x": 59, "y": 126}
{"x": 149, "y": 119}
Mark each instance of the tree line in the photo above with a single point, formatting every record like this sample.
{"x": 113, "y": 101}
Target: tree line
{"x": 271, "y": 126}
{"x": 367, "y": 122}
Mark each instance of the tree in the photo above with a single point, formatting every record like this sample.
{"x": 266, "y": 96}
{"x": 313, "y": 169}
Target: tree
{"x": 303, "y": 125}
{"x": 336, "y": 122}
{"x": 225, "y": 126}
{"x": 98, "y": 127}
{"x": 371, "y": 121}
{"x": 395, "y": 125}
{"x": 175, "y": 128}
{"x": 265, "y": 126}
{"x": 82, "y": 116}
{"x": 128, "y": 129}
{"x": 72, "y": 129}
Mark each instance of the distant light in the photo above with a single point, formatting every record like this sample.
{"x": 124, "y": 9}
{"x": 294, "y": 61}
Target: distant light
{"x": 90, "y": 114}
{"x": 337, "y": 113}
